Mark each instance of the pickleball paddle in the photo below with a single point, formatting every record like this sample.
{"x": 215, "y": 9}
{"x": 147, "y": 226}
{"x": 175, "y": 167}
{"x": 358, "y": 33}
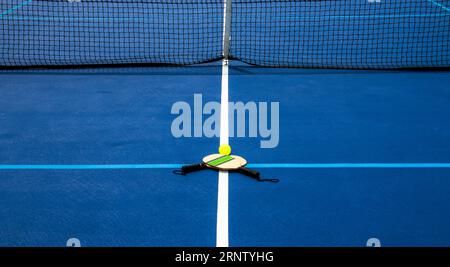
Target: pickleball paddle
{"x": 219, "y": 162}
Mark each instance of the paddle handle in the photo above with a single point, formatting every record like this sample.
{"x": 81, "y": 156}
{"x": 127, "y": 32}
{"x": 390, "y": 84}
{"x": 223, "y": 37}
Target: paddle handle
{"x": 193, "y": 168}
{"x": 190, "y": 168}
{"x": 255, "y": 174}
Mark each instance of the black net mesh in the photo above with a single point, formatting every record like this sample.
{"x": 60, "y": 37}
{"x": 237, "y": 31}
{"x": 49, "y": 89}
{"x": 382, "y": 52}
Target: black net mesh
{"x": 366, "y": 34}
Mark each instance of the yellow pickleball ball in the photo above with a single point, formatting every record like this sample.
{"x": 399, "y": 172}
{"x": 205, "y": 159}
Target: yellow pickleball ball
{"x": 225, "y": 149}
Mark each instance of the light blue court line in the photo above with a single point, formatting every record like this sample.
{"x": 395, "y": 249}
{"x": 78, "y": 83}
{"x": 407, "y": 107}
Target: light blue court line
{"x": 397, "y": 16}
{"x": 90, "y": 167}
{"x": 87, "y": 19}
{"x": 28, "y": 18}
{"x": 315, "y": 18}
{"x": 254, "y": 165}
{"x": 14, "y": 8}
{"x": 439, "y": 5}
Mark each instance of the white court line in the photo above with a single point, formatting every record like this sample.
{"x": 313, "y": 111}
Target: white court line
{"x": 222, "y": 197}
{"x": 222, "y": 211}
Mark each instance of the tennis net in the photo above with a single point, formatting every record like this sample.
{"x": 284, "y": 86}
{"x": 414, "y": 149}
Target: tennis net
{"x": 356, "y": 34}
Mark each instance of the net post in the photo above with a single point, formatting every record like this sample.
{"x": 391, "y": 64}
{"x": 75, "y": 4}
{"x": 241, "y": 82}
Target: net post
{"x": 226, "y": 28}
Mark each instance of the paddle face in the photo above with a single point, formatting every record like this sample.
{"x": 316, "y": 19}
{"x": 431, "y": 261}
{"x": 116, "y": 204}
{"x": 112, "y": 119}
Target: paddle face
{"x": 224, "y": 162}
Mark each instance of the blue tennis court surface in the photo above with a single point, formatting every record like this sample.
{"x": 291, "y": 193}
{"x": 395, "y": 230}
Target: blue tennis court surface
{"x": 89, "y": 154}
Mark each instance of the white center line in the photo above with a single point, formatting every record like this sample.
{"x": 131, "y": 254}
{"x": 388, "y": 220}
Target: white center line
{"x": 222, "y": 197}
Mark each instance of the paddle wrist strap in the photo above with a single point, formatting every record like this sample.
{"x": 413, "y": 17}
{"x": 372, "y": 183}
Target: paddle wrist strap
{"x": 242, "y": 170}
{"x": 254, "y": 174}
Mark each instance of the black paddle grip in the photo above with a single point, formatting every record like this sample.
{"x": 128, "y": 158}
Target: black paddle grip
{"x": 190, "y": 168}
